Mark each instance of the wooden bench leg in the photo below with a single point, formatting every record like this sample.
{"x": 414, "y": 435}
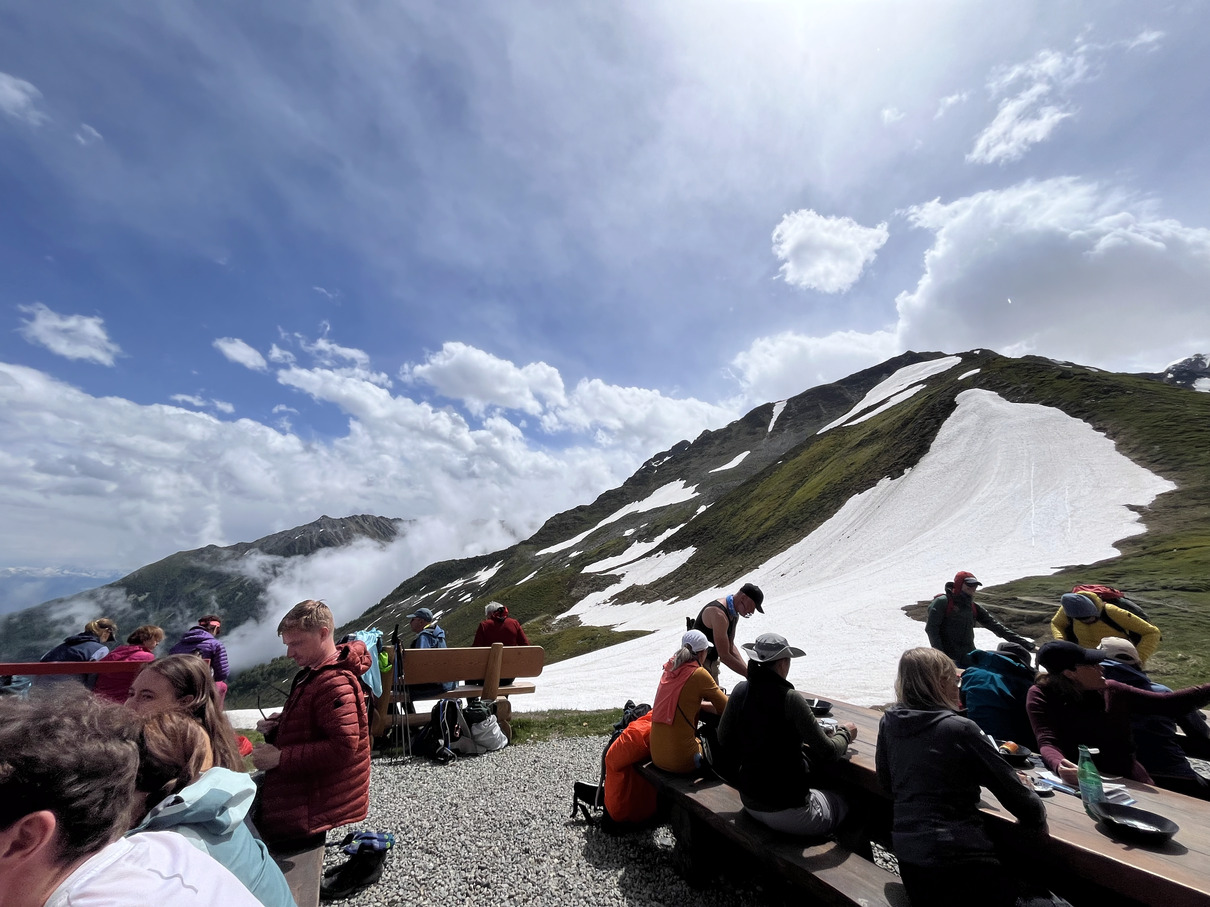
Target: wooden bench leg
{"x": 504, "y": 714}
{"x": 303, "y": 870}
{"x": 697, "y": 850}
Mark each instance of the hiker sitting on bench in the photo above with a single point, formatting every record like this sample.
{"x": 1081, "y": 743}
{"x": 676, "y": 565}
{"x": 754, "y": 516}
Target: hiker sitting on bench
{"x": 428, "y": 636}
{"x": 678, "y": 701}
{"x": 767, "y": 733}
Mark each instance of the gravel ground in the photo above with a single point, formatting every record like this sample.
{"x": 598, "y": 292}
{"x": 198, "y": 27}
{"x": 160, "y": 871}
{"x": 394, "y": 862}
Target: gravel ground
{"x": 494, "y": 829}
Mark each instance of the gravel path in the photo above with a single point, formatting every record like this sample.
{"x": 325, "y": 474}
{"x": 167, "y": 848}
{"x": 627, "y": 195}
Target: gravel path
{"x": 494, "y": 829}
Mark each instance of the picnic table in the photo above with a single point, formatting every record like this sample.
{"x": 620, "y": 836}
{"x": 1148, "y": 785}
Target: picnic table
{"x": 1173, "y": 874}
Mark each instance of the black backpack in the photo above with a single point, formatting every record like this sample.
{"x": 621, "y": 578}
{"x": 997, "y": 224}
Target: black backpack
{"x": 436, "y": 739}
{"x": 588, "y": 798}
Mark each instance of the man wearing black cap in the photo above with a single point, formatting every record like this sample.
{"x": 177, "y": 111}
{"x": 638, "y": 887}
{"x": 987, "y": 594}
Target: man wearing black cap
{"x": 952, "y": 617}
{"x": 718, "y": 619}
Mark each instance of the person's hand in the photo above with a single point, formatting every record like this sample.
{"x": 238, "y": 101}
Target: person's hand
{"x": 265, "y": 725}
{"x": 265, "y": 756}
{"x": 852, "y": 729}
{"x": 1068, "y": 772}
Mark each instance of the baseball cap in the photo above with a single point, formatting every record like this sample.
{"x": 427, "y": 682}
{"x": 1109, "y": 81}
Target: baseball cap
{"x": 423, "y": 613}
{"x": 1060, "y": 655}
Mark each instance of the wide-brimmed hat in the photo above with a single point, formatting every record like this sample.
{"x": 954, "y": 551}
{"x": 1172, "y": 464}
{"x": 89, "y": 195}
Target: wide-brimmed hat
{"x": 771, "y": 647}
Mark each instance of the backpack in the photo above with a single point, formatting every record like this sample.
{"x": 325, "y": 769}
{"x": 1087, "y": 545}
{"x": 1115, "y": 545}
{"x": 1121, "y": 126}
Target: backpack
{"x": 589, "y": 798}
{"x": 1113, "y": 597}
{"x": 437, "y": 738}
{"x": 481, "y": 731}
{"x": 1070, "y": 633}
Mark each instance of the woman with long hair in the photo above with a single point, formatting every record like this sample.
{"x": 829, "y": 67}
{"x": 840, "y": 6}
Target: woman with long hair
{"x": 186, "y": 793}
{"x": 684, "y": 684}
{"x": 183, "y": 683}
{"x": 140, "y": 647}
{"x": 933, "y": 762}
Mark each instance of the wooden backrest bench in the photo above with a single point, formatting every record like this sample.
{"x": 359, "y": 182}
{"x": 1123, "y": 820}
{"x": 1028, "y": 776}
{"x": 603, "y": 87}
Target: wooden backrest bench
{"x": 706, "y": 814}
{"x": 476, "y": 670}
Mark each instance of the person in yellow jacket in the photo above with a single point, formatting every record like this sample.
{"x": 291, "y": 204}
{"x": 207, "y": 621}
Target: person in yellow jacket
{"x": 1083, "y": 618}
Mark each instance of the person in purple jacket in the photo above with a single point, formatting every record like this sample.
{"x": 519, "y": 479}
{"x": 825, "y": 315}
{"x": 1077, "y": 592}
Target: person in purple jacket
{"x": 202, "y": 641}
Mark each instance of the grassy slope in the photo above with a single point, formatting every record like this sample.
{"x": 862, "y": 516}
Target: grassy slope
{"x": 1167, "y": 569}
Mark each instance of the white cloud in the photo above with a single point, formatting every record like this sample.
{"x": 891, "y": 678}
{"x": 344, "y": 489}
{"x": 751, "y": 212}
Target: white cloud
{"x": 241, "y": 353}
{"x": 479, "y": 380}
{"x": 19, "y": 99}
{"x": 1094, "y": 276}
{"x": 949, "y": 101}
{"x": 223, "y": 406}
{"x": 324, "y": 291}
{"x": 190, "y": 399}
{"x": 86, "y": 135}
{"x": 777, "y": 367}
{"x": 891, "y": 115}
{"x": 71, "y": 336}
{"x": 281, "y": 356}
{"x": 1034, "y": 97}
{"x": 825, "y": 253}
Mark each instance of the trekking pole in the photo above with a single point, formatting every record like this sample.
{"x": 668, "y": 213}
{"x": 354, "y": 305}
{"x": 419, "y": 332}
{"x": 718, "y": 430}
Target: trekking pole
{"x": 397, "y": 688}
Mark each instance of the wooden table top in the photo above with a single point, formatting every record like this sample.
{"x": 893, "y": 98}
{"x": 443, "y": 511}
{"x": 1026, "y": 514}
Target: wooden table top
{"x": 1173, "y": 874}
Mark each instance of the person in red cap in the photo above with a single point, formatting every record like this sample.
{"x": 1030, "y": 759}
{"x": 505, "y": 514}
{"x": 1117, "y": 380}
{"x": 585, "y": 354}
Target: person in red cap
{"x": 952, "y": 618}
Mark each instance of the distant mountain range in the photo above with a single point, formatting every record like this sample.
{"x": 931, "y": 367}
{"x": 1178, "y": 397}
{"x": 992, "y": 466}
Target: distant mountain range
{"x": 174, "y": 592}
{"x": 714, "y": 507}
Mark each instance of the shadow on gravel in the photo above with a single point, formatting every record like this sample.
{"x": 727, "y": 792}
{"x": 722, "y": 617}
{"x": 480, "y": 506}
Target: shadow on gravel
{"x": 648, "y": 873}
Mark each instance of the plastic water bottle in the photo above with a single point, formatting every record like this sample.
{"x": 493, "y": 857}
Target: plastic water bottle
{"x": 1091, "y": 790}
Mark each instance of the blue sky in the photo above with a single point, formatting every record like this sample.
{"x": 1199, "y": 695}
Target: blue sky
{"x": 469, "y": 262}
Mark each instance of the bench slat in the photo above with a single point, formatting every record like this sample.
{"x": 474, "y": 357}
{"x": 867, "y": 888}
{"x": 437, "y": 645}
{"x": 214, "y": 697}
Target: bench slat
{"x": 826, "y": 870}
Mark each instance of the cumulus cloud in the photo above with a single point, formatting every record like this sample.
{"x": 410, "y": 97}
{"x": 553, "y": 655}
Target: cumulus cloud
{"x": 241, "y": 353}
{"x": 19, "y": 99}
{"x": 777, "y": 367}
{"x": 87, "y": 135}
{"x": 825, "y": 253}
{"x": 117, "y": 483}
{"x": 72, "y": 336}
{"x": 1093, "y": 275}
{"x": 480, "y": 380}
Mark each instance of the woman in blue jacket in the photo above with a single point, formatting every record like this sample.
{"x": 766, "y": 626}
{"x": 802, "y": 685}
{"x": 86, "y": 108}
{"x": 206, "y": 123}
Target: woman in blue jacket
{"x": 206, "y": 805}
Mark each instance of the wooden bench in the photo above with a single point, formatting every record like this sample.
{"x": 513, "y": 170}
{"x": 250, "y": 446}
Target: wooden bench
{"x": 476, "y": 670}
{"x": 706, "y": 813}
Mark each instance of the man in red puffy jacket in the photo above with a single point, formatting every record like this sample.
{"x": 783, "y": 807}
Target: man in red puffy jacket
{"x": 316, "y": 757}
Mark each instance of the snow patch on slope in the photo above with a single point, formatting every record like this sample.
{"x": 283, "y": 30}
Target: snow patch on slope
{"x": 672, "y": 493}
{"x": 735, "y": 462}
{"x": 999, "y": 485}
{"x": 900, "y": 381}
